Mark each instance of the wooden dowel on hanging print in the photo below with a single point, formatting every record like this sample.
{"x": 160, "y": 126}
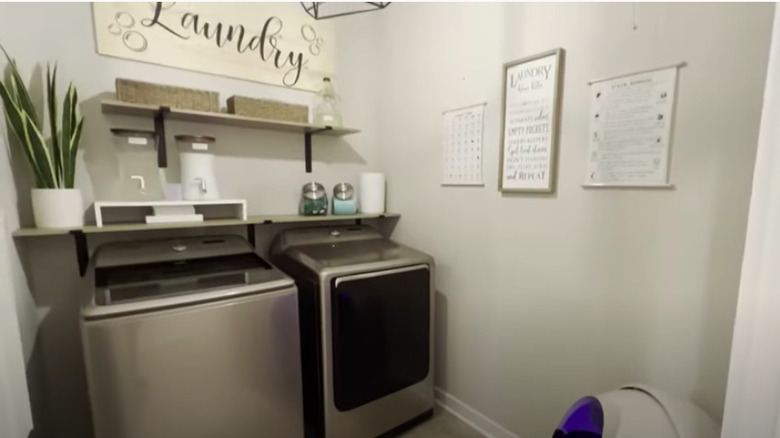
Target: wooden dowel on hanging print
{"x": 649, "y": 70}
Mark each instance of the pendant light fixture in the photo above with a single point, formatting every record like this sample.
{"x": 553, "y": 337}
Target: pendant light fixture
{"x": 324, "y": 10}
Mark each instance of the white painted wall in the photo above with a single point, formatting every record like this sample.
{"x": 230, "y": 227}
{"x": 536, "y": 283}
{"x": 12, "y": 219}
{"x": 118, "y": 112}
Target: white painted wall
{"x": 264, "y": 167}
{"x": 15, "y": 415}
{"x": 543, "y": 299}
{"x": 18, "y": 312}
{"x": 753, "y": 396}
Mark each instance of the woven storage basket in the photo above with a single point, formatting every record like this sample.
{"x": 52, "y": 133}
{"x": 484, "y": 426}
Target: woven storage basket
{"x": 268, "y": 109}
{"x": 166, "y": 95}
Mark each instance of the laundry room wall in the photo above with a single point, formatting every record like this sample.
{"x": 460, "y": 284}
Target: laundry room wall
{"x": 18, "y": 307}
{"x": 543, "y": 299}
{"x": 266, "y": 168}
{"x": 15, "y": 416}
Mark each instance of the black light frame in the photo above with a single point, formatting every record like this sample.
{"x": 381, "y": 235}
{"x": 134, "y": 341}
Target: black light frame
{"x": 314, "y": 10}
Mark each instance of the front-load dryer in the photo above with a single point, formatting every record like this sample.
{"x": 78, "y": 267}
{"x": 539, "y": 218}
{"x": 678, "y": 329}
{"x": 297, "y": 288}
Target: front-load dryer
{"x": 366, "y": 312}
{"x": 191, "y": 338}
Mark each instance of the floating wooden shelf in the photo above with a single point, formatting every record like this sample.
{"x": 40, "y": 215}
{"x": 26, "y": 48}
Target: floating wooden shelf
{"x": 134, "y": 109}
{"x": 160, "y": 114}
{"x": 251, "y": 220}
{"x": 82, "y": 248}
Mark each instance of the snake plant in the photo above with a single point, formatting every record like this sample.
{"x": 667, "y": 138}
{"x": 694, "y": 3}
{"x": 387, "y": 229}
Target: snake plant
{"x": 53, "y": 162}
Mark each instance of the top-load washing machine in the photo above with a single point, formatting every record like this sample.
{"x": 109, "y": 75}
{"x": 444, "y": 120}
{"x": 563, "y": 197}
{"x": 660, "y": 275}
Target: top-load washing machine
{"x": 191, "y": 338}
{"x": 366, "y": 309}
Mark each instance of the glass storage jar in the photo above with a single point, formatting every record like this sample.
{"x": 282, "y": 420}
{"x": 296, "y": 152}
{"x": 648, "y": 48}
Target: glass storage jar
{"x": 314, "y": 200}
{"x": 139, "y": 177}
{"x": 327, "y": 112}
{"x": 198, "y": 175}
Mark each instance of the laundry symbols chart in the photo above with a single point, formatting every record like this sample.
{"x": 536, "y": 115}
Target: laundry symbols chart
{"x": 462, "y": 131}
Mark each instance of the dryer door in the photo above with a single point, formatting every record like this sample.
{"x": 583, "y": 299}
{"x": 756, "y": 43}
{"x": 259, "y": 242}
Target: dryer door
{"x": 381, "y": 324}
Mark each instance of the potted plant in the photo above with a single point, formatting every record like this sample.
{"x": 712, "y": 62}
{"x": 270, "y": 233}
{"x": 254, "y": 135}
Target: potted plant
{"x": 56, "y": 203}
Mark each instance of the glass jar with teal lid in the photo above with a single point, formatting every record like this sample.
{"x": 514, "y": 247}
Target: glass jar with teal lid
{"x": 344, "y": 200}
{"x": 314, "y": 200}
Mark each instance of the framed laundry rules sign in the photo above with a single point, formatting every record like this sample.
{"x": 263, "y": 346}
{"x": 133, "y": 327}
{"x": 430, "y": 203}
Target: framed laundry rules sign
{"x": 273, "y": 43}
{"x": 531, "y": 114}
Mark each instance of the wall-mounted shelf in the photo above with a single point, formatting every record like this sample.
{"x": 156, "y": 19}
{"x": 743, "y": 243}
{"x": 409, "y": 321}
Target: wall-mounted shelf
{"x": 160, "y": 114}
{"x": 82, "y": 248}
{"x": 251, "y": 220}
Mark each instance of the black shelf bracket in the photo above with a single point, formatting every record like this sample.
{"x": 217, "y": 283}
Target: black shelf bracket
{"x": 82, "y": 246}
{"x": 307, "y": 145}
{"x": 82, "y": 250}
{"x": 250, "y": 234}
{"x": 159, "y": 129}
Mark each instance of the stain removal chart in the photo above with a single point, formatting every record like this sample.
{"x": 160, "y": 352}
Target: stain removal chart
{"x": 630, "y": 129}
{"x": 462, "y": 143}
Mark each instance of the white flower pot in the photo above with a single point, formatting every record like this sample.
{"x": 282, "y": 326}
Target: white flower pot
{"x": 57, "y": 208}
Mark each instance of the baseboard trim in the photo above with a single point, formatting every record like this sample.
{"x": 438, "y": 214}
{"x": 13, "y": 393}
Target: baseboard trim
{"x": 471, "y": 416}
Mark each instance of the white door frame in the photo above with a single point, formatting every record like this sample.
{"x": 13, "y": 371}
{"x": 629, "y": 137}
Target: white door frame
{"x": 753, "y": 395}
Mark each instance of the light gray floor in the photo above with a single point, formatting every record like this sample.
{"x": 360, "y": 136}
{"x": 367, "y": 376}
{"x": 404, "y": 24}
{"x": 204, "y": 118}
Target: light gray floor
{"x": 442, "y": 425}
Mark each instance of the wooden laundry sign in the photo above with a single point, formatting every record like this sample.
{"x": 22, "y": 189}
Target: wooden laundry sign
{"x": 275, "y": 43}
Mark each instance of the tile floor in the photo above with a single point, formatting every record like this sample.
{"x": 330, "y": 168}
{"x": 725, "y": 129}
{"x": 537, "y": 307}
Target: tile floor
{"x": 442, "y": 425}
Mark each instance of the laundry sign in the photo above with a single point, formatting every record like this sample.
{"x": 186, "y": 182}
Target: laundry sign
{"x": 530, "y": 123}
{"x": 273, "y": 43}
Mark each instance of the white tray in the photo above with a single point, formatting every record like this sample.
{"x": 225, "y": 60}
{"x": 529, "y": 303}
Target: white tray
{"x": 169, "y": 211}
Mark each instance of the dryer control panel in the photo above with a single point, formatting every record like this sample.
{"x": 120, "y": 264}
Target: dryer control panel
{"x": 324, "y": 235}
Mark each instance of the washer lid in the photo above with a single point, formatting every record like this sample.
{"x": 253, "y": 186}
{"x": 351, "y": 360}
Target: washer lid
{"x": 147, "y": 287}
{"x": 144, "y": 276}
{"x": 121, "y": 284}
{"x": 167, "y": 249}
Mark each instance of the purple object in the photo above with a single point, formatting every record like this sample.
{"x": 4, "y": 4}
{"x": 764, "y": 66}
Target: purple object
{"x": 585, "y": 415}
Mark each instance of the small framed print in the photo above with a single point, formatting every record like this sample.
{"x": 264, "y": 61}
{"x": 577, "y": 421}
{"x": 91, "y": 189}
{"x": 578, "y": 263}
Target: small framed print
{"x": 530, "y": 123}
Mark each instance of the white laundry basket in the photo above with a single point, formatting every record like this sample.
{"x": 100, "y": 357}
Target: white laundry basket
{"x": 636, "y": 411}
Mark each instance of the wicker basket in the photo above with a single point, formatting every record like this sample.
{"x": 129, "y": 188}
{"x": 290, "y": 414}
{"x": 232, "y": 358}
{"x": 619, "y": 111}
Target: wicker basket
{"x": 268, "y": 109}
{"x": 165, "y": 95}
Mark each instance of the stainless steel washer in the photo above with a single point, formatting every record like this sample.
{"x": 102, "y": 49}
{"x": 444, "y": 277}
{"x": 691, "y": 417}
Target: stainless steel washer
{"x": 366, "y": 306}
{"x": 189, "y": 338}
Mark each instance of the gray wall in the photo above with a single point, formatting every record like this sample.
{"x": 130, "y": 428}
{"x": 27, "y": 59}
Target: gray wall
{"x": 544, "y": 299}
